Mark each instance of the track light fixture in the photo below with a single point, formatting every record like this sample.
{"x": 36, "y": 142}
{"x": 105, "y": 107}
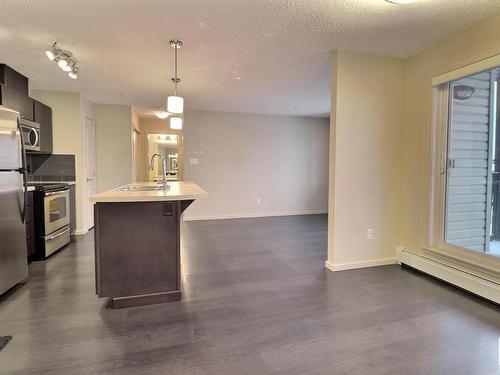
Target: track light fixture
{"x": 64, "y": 59}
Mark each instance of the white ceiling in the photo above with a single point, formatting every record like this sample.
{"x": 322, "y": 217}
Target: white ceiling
{"x": 257, "y": 56}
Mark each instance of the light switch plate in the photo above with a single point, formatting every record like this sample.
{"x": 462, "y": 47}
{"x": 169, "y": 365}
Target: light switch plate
{"x": 193, "y": 161}
{"x": 369, "y": 234}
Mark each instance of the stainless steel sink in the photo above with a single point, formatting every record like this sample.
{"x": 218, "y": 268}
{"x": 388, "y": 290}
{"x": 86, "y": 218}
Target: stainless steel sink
{"x": 140, "y": 188}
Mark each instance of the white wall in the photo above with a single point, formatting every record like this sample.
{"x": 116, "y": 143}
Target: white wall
{"x": 113, "y": 146}
{"x": 281, "y": 160}
{"x": 68, "y": 136}
{"x": 365, "y": 170}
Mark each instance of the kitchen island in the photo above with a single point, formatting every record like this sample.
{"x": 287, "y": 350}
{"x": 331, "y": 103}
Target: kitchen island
{"x": 137, "y": 242}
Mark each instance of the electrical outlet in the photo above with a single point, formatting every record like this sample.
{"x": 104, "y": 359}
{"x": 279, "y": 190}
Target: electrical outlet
{"x": 369, "y": 234}
{"x": 258, "y": 200}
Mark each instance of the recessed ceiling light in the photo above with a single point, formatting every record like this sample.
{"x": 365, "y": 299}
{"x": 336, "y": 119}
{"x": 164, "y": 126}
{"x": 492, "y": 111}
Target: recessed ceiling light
{"x": 401, "y": 1}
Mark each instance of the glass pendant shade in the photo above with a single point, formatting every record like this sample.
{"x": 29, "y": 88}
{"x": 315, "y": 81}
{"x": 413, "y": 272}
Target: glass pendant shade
{"x": 175, "y": 104}
{"x": 176, "y": 123}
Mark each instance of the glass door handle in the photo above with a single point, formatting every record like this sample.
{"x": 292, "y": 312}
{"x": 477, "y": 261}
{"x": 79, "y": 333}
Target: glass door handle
{"x": 442, "y": 162}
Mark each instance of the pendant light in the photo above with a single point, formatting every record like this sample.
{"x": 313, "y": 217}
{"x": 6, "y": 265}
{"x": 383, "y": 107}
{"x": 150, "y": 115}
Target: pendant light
{"x": 175, "y": 103}
{"x": 176, "y": 122}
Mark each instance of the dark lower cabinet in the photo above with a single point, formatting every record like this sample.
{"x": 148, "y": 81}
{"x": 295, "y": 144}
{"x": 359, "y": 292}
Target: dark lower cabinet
{"x": 30, "y": 225}
{"x": 43, "y": 115}
{"x": 17, "y": 101}
{"x": 137, "y": 252}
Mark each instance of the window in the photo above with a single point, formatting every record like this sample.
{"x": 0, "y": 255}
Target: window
{"x": 469, "y": 169}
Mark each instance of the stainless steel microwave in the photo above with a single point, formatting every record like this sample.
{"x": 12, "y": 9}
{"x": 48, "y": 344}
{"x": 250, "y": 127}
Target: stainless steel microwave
{"x": 31, "y": 134}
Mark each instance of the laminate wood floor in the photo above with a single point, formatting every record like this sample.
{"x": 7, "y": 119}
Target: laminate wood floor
{"x": 257, "y": 300}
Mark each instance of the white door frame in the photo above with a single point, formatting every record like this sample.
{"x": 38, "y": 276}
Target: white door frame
{"x": 90, "y": 172}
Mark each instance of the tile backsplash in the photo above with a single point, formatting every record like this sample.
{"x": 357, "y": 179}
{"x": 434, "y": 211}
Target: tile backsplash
{"x": 50, "y": 167}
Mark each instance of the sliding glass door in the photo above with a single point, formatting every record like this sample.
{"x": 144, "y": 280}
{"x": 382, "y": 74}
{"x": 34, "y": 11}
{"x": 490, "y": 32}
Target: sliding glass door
{"x": 472, "y": 192}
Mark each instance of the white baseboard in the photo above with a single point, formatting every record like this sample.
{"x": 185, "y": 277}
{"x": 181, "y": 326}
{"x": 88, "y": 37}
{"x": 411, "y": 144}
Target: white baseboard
{"x": 247, "y": 216}
{"x": 362, "y": 264}
{"x": 454, "y": 274}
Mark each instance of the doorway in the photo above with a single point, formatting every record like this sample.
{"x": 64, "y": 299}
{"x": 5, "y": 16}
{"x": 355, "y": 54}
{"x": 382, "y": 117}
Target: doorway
{"x": 170, "y": 146}
{"x": 472, "y": 201}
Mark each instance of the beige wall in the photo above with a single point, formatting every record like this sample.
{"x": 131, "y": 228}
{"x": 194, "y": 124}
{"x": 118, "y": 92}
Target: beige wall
{"x": 113, "y": 146}
{"x": 464, "y": 49}
{"x": 365, "y": 148}
{"x": 68, "y": 135}
{"x": 242, "y": 157}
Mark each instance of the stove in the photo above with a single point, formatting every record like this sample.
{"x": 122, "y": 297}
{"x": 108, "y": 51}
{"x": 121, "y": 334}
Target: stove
{"x": 52, "y": 218}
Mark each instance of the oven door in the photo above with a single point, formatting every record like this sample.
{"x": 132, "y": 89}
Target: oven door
{"x": 56, "y": 210}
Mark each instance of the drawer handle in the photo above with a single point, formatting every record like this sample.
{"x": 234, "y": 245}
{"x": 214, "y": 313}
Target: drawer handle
{"x": 53, "y": 237}
{"x": 56, "y": 192}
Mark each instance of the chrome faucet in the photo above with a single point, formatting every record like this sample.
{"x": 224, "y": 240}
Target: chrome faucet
{"x": 164, "y": 167}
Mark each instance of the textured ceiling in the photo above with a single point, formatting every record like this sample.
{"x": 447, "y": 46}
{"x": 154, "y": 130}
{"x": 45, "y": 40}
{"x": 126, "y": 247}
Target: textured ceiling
{"x": 240, "y": 55}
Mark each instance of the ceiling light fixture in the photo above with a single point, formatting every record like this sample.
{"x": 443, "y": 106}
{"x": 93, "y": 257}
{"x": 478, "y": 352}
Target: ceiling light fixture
{"x": 64, "y": 59}
{"x": 74, "y": 73}
{"x": 175, "y": 103}
{"x": 176, "y": 122}
{"x": 161, "y": 114}
{"x": 463, "y": 92}
{"x": 401, "y": 1}
{"x": 50, "y": 55}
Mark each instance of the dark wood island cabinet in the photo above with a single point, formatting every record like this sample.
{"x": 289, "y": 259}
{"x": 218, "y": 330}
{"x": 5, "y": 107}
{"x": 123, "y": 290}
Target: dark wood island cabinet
{"x": 137, "y": 243}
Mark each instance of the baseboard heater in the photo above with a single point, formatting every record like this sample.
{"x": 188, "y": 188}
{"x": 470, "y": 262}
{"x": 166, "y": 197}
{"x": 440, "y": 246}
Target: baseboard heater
{"x": 472, "y": 282}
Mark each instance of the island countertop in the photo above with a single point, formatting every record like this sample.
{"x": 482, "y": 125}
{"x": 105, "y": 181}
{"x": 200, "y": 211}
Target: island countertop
{"x": 179, "y": 190}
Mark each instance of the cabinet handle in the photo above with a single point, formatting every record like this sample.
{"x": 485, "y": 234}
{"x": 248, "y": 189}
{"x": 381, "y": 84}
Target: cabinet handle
{"x": 53, "y": 237}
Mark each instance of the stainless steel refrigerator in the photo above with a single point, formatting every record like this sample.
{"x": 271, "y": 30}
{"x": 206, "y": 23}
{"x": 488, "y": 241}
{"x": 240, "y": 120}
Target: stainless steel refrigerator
{"x": 13, "y": 194}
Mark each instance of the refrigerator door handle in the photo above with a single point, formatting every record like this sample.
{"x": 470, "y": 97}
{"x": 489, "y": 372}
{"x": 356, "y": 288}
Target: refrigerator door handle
{"x": 23, "y": 171}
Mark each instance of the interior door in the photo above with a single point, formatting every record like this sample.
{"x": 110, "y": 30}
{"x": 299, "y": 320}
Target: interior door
{"x": 90, "y": 173}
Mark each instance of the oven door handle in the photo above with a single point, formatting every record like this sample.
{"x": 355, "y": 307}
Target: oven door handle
{"x": 56, "y": 192}
{"x": 54, "y": 236}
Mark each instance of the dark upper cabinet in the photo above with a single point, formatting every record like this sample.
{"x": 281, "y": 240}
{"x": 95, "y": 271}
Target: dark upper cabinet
{"x": 9, "y": 77}
{"x": 14, "y": 95}
{"x": 17, "y": 101}
{"x": 43, "y": 115}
